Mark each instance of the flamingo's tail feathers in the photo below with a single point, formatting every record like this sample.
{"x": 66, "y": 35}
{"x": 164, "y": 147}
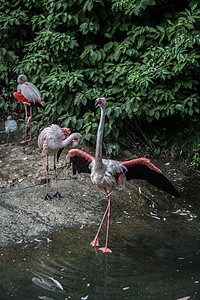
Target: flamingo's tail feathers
{"x": 37, "y": 104}
{"x": 59, "y": 153}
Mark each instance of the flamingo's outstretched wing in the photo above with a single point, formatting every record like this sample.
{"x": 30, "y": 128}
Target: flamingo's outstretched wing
{"x": 142, "y": 168}
{"x": 80, "y": 161}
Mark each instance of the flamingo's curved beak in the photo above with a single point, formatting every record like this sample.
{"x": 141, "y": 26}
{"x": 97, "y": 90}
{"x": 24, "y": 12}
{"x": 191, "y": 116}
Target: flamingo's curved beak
{"x": 96, "y": 102}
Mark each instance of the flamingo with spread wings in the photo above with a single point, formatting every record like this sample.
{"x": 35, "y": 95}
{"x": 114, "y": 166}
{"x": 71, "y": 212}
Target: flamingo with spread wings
{"x": 28, "y": 94}
{"x": 107, "y": 174}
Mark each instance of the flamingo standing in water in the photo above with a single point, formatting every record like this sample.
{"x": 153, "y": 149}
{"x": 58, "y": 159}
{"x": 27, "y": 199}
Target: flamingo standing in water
{"x": 28, "y": 94}
{"x": 52, "y": 140}
{"x": 107, "y": 174}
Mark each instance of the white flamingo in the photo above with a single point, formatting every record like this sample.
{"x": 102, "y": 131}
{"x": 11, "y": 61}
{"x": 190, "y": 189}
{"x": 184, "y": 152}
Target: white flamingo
{"x": 52, "y": 140}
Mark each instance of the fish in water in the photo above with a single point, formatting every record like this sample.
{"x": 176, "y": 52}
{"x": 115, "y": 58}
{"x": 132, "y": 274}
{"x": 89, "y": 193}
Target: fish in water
{"x": 57, "y": 283}
{"x": 46, "y": 282}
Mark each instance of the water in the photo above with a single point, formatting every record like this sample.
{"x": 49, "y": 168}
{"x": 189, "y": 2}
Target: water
{"x": 155, "y": 256}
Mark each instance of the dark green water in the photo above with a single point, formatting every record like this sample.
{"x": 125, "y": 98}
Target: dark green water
{"x": 152, "y": 258}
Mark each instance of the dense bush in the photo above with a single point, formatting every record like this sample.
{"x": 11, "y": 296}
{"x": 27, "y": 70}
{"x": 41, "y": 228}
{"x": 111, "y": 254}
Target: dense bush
{"x": 142, "y": 55}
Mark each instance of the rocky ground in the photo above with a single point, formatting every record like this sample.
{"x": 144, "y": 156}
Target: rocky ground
{"x": 25, "y": 214}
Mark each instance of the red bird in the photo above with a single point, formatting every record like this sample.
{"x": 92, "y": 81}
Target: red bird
{"x": 28, "y": 94}
{"x": 107, "y": 174}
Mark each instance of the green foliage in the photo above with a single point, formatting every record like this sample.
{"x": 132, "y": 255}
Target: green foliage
{"x": 159, "y": 142}
{"x": 130, "y": 7}
{"x": 147, "y": 66}
{"x": 195, "y": 161}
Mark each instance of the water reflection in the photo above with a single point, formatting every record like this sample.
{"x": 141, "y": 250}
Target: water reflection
{"x": 76, "y": 275}
{"x": 153, "y": 258}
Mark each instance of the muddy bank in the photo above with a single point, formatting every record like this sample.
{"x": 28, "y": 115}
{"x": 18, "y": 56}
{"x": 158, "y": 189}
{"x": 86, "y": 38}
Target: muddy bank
{"x": 25, "y": 214}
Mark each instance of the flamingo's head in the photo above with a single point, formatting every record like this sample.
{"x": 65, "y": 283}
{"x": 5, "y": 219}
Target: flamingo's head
{"x": 66, "y": 131}
{"x": 101, "y": 102}
{"x": 21, "y": 78}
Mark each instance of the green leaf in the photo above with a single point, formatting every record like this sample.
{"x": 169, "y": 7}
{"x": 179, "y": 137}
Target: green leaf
{"x": 151, "y": 112}
{"x": 79, "y": 124}
{"x": 117, "y": 54}
{"x": 157, "y": 151}
{"x": 93, "y": 56}
{"x": 141, "y": 40}
{"x": 179, "y": 107}
{"x": 108, "y": 46}
{"x": 88, "y": 127}
{"x": 157, "y": 115}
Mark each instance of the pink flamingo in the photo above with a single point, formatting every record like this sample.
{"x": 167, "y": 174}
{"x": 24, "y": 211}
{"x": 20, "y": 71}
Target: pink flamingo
{"x": 28, "y": 94}
{"x": 107, "y": 174}
{"x": 52, "y": 140}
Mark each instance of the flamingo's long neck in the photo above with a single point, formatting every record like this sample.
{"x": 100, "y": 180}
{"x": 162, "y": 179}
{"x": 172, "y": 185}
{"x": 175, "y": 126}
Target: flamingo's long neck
{"x": 98, "y": 153}
{"x": 67, "y": 142}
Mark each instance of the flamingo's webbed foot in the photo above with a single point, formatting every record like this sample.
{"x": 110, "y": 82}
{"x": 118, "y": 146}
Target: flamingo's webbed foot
{"x": 23, "y": 142}
{"x": 95, "y": 242}
{"x": 105, "y": 250}
{"x": 48, "y": 197}
{"x": 58, "y": 195}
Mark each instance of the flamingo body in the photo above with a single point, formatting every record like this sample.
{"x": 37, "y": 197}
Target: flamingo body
{"x": 107, "y": 174}
{"x": 37, "y": 103}
{"x": 52, "y": 140}
{"x": 28, "y": 94}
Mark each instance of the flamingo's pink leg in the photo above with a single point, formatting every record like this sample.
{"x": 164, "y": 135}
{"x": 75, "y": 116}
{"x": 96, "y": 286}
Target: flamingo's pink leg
{"x": 47, "y": 197}
{"x": 57, "y": 195}
{"x": 106, "y": 249}
{"x": 30, "y": 119}
{"x": 26, "y": 118}
{"x": 95, "y": 241}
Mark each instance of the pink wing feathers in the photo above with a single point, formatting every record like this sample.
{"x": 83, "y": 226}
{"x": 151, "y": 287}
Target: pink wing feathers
{"x": 140, "y": 168}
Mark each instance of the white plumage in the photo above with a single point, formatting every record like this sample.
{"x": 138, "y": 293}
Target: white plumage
{"x": 52, "y": 140}
{"x": 10, "y": 128}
